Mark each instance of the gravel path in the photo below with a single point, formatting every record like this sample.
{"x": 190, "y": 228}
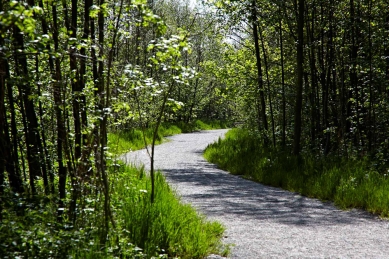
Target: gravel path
{"x": 262, "y": 221}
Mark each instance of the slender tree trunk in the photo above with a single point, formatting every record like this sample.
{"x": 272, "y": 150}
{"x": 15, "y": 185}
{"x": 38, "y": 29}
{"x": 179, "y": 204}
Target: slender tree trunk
{"x": 96, "y": 83}
{"x": 31, "y": 127}
{"x": 283, "y": 142}
{"x": 76, "y": 92}
{"x": 329, "y": 84}
{"x": 312, "y": 93}
{"x": 335, "y": 88}
{"x": 371, "y": 122}
{"x": 75, "y": 79}
{"x": 353, "y": 72}
{"x": 268, "y": 87}
{"x": 193, "y": 101}
{"x": 87, "y": 6}
{"x": 103, "y": 100}
{"x": 386, "y": 51}
{"x": 93, "y": 52}
{"x": 324, "y": 86}
{"x": 42, "y": 142}
{"x": 300, "y": 74}
{"x": 344, "y": 99}
{"x": 8, "y": 155}
{"x": 2, "y": 162}
{"x": 3, "y": 129}
{"x": 57, "y": 77}
{"x": 155, "y": 134}
{"x": 259, "y": 71}
{"x": 107, "y": 206}
{"x": 51, "y": 65}
{"x": 11, "y": 145}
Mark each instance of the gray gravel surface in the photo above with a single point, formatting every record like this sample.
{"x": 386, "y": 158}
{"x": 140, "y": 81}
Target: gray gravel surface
{"x": 262, "y": 221}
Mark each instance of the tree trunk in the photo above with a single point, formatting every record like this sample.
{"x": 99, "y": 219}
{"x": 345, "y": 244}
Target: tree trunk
{"x": 42, "y": 142}
{"x": 51, "y": 65}
{"x": 283, "y": 141}
{"x": 87, "y": 5}
{"x": 312, "y": 94}
{"x": 11, "y": 157}
{"x": 353, "y": 73}
{"x": 75, "y": 79}
{"x": 2, "y": 127}
{"x": 57, "y": 77}
{"x": 300, "y": 74}
{"x": 31, "y": 127}
{"x": 259, "y": 72}
{"x": 268, "y": 88}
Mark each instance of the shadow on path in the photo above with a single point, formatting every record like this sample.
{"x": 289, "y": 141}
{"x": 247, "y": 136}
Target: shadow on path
{"x": 220, "y": 193}
{"x": 263, "y": 221}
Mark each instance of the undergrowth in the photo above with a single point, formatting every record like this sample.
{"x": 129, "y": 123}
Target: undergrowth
{"x": 164, "y": 229}
{"x": 350, "y": 183}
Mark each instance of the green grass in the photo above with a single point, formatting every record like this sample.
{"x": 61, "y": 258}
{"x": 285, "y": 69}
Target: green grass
{"x": 349, "y": 183}
{"x": 132, "y": 139}
{"x": 125, "y": 141}
{"x": 165, "y": 229}
{"x": 202, "y": 125}
{"x": 167, "y": 225}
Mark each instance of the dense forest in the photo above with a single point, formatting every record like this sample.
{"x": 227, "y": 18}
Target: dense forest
{"x": 305, "y": 77}
{"x": 315, "y": 73}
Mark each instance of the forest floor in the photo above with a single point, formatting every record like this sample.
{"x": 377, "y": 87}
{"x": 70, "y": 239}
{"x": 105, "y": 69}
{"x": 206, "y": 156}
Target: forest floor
{"x": 262, "y": 221}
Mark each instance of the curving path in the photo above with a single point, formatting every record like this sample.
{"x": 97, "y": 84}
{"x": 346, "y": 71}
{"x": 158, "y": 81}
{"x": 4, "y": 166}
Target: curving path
{"x": 262, "y": 221}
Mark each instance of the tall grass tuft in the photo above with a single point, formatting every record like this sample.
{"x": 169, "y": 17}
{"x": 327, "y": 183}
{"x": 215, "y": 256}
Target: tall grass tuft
{"x": 165, "y": 226}
{"x": 350, "y": 183}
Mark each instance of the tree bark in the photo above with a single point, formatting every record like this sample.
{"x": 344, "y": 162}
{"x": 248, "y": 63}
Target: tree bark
{"x": 75, "y": 79}
{"x": 31, "y": 127}
{"x": 259, "y": 72}
{"x": 283, "y": 138}
{"x": 57, "y": 78}
{"x": 268, "y": 88}
{"x": 300, "y": 74}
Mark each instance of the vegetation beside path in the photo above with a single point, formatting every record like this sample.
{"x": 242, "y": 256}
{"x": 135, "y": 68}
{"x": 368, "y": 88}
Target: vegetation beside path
{"x": 132, "y": 139}
{"x": 165, "y": 228}
{"x": 349, "y": 182}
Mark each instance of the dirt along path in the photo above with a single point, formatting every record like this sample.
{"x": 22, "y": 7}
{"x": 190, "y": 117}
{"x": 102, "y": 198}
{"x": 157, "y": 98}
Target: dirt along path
{"x": 262, "y": 221}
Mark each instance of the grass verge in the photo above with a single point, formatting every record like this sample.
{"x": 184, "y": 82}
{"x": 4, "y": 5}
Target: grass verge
{"x": 349, "y": 183}
{"x": 124, "y": 141}
{"x": 132, "y": 139}
{"x": 165, "y": 226}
